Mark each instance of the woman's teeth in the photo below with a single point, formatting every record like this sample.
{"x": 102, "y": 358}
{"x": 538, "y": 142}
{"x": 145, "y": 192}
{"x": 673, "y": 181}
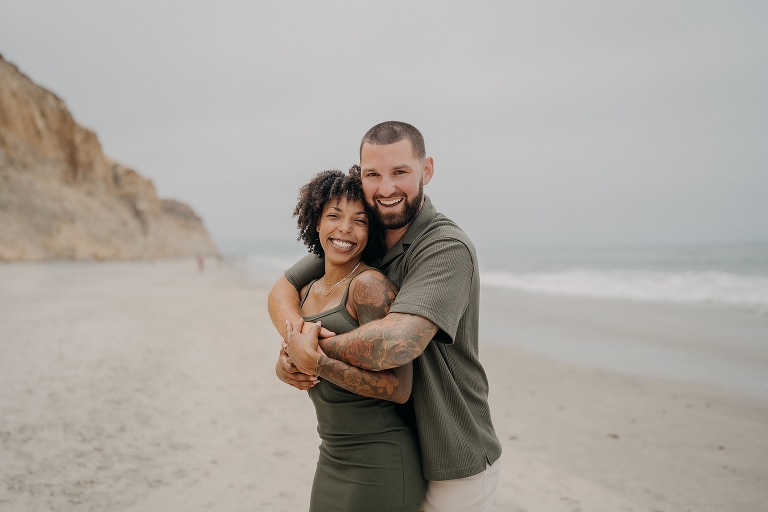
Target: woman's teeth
{"x": 341, "y": 244}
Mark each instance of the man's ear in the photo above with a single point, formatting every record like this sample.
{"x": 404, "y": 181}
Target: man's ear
{"x": 429, "y": 169}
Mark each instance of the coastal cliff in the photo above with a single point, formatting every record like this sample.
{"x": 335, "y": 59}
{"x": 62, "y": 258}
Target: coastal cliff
{"x": 61, "y": 197}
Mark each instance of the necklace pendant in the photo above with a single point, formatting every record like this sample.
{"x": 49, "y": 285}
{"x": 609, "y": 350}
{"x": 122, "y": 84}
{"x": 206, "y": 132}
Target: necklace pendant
{"x": 337, "y": 283}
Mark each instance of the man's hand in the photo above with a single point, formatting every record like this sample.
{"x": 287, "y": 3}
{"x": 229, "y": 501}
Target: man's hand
{"x": 290, "y": 374}
{"x": 303, "y": 347}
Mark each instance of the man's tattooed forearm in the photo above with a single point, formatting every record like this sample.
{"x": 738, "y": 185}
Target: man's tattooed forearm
{"x": 387, "y": 343}
{"x": 383, "y": 385}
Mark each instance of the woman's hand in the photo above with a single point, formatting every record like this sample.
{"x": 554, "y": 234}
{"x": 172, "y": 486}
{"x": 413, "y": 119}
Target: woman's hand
{"x": 290, "y": 374}
{"x": 303, "y": 348}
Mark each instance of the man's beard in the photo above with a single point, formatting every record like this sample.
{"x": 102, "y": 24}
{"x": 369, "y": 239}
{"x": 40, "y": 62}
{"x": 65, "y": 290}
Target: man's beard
{"x": 405, "y": 217}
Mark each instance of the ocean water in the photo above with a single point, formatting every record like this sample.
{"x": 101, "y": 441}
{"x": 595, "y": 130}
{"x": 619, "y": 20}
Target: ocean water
{"x": 730, "y": 281}
{"x": 697, "y": 314}
{"x": 732, "y": 276}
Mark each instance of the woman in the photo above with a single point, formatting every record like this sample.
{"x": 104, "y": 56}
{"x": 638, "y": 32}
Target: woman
{"x": 369, "y": 457}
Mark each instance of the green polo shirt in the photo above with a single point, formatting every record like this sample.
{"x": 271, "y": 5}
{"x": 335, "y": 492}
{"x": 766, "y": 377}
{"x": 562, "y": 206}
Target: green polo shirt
{"x": 435, "y": 266}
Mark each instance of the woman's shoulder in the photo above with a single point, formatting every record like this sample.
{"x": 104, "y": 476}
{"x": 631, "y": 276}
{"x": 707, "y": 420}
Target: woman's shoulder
{"x": 371, "y": 279}
{"x": 370, "y": 295}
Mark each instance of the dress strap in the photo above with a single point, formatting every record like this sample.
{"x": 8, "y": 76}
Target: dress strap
{"x": 306, "y": 293}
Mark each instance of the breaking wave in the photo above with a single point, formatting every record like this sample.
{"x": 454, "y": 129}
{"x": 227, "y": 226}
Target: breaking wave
{"x": 706, "y": 287}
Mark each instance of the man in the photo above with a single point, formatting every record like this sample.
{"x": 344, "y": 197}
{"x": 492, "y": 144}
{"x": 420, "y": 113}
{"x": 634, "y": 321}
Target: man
{"x": 433, "y": 321}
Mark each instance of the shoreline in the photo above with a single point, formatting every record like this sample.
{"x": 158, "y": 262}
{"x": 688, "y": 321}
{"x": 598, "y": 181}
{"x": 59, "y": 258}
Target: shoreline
{"x": 150, "y": 386}
{"x": 682, "y": 342}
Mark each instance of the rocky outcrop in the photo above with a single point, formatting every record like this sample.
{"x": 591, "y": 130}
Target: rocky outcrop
{"x": 61, "y": 197}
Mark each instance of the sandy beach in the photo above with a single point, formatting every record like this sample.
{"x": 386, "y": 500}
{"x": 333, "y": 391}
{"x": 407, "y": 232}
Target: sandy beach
{"x": 149, "y": 386}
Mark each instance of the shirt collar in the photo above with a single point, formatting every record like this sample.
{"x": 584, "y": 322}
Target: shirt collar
{"x": 423, "y": 219}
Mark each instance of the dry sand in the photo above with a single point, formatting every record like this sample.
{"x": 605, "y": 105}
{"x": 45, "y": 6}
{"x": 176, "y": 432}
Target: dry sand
{"x": 150, "y": 387}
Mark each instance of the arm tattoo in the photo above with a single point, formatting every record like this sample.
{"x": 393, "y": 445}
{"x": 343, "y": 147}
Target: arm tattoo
{"x": 383, "y": 385}
{"x": 372, "y": 297}
{"x": 387, "y": 343}
{"x": 383, "y": 340}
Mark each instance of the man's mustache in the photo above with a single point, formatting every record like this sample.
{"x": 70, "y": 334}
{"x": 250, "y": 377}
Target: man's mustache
{"x": 395, "y": 196}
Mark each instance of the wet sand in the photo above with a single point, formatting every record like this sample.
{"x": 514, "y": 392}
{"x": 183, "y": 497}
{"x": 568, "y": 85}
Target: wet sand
{"x": 150, "y": 387}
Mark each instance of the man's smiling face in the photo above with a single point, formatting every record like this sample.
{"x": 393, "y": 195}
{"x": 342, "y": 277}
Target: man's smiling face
{"x": 393, "y": 179}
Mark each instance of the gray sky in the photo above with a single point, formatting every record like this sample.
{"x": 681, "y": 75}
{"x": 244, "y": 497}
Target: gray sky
{"x": 551, "y": 123}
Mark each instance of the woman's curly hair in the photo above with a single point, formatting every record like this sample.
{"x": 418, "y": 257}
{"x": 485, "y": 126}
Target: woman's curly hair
{"x": 326, "y": 186}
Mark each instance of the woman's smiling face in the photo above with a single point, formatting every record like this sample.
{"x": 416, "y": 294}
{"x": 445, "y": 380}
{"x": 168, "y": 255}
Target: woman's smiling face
{"x": 343, "y": 230}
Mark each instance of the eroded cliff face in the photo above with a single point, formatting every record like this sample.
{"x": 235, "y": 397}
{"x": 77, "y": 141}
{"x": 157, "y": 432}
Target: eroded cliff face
{"x": 61, "y": 197}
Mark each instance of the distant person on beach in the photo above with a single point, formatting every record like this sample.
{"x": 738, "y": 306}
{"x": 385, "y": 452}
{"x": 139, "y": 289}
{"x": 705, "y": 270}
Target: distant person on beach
{"x": 433, "y": 322}
{"x": 369, "y": 456}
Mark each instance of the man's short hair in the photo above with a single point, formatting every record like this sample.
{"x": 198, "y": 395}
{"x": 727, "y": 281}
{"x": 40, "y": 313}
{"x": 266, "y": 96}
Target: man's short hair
{"x": 390, "y": 132}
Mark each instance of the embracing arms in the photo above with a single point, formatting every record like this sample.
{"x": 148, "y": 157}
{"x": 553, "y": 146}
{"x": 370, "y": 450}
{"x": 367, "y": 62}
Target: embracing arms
{"x": 389, "y": 342}
{"x": 393, "y": 385}
{"x": 370, "y": 299}
{"x": 384, "y": 340}
{"x": 393, "y": 341}
{"x": 441, "y": 270}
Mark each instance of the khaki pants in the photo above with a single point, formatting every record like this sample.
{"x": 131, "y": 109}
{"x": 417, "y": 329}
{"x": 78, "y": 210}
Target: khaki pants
{"x": 472, "y": 494}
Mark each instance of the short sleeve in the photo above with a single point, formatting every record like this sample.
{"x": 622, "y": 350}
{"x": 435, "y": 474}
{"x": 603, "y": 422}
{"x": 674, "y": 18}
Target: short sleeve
{"x": 438, "y": 283}
{"x": 305, "y": 270}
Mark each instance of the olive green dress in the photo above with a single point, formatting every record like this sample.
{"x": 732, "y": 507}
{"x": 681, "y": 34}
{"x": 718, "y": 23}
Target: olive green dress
{"x": 369, "y": 457}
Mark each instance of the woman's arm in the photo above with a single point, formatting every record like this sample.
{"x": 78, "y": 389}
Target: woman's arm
{"x": 371, "y": 295}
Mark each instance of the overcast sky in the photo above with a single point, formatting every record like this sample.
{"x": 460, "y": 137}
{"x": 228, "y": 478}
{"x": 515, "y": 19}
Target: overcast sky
{"x": 551, "y": 123}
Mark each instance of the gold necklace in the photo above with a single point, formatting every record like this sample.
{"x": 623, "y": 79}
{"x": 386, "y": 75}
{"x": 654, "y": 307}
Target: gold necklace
{"x": 337, "y": 283}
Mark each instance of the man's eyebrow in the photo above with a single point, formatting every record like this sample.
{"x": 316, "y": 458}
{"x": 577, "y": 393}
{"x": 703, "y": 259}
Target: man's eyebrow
{"x": 394, "y": 167}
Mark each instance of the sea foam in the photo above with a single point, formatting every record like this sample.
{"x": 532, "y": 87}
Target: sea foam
{"x": 706, "y": 287}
